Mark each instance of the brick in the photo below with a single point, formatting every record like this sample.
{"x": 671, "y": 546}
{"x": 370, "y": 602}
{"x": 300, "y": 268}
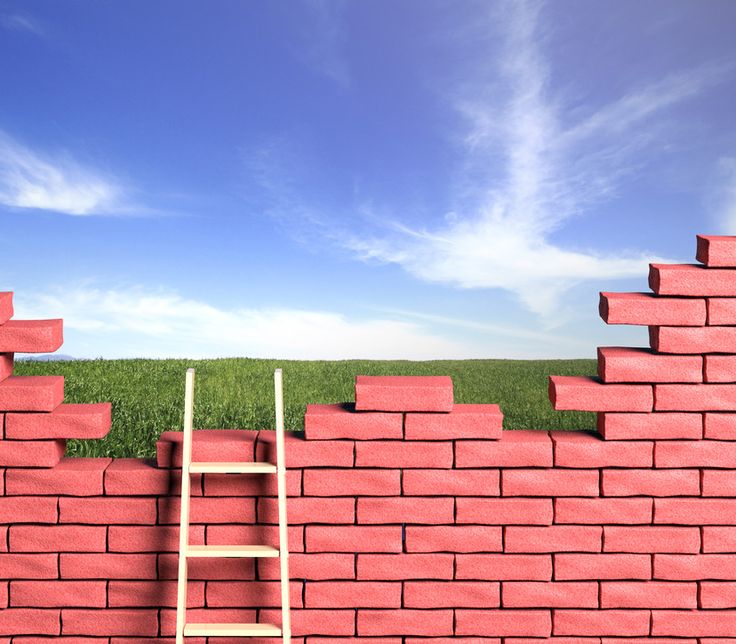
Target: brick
{"x": 720, "y": 368}
{"x": 647, "y": 309}
{"x": 355, "y": 594}
{"x": 6, "y": 365}
{"x": 695, "y": 454}
{"x": 691, "y": 280}
{"x": 160, "y": 538}
{"x": 207, "y": 445}
{"x": 403, "y": 393}
{"x": 719, "y": 539}
{"x": 57, "y": 538}
{"x": 31, "y": 453}
{"x": 550, "y": 594}
{"x": 112, "y": 621}
{"x": 28, "y": 509}
{"x": 100, "y": 510}
{"x": 405, "y": 566}
{"x": 132, "y": 594}
{"x": 353, "y": 538}
{"x": 451, "y": 594}
{"x": 719, "y": 426}
{"x": 31, "y": 393}
{"x": 404, "y": 510}
{"x": 602, "y": 566}
{"x": 247, "y": 484}
{"x": 517, "y": 448}
{"x": 584, "y": 393}
{"x": 451, "y": 482}
{"x": 209, "y": 568}
{"x": 367, "y": 482}
{"x": 31, "y": 336}
{"x": 695, "y": 397}
{"x": 685, "y": 623}
{"x": 65, "y": 421}
{"x": 311, "y": 566}
{"x": 139, "y": 476}
{"x": 256, "y": 594}
{"x": 693, "y": 567}
{"x": 212, "y": 615}
{"x": 695, "y": 511}
{"x": 242, "y": 533}
{"x": 721, "y": 310}
{"x": 600, "y": 622}
{"x": 448, "y": 538}
{"x": 704, "y": 339}
{"x": 403, "y": 454}
{"x": 553, "y": 539}
{"x": 648, "y": 640}
{"x": 549, "y": 482}
{"x": 75, "y": 476}
{"x": 656, "y": 425}
{"x": 52, "y": 594}
{"x": 305, "y": 510}
{"x": 301, "y": 453}
{"x": 503, "y": 511}
{"x": 717, "y": 594}
{"x": 582, "y": 449}
{"x": 626, "y": 364}
{"x": 650, "y": 539}
{"x": 107, "y": 566}
{"x": 324, "y": 422}
{"x": 35, "y": 566}
{"x": 404, "y": 621}
{"x": 719, "y": 483}
{"x": 464, "y": 421}
{"x": 504, "y": 567}
{"x": 34, "y": 621}
{"x": 650, "y": 482}
{"x": 204, "y": 510}
{"x": 530, "y": 623}
{"x": 716, "y": 250}
{"x": 648, "y": 594}
{"x": 6, "y": 306}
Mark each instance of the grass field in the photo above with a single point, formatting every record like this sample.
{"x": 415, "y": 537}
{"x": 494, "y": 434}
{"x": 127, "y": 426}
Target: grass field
{"x": 147, "y": 396}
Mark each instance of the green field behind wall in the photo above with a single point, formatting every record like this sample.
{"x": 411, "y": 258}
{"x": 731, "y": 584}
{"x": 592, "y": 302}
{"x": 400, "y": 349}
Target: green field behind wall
{"x": 147, "y": 396}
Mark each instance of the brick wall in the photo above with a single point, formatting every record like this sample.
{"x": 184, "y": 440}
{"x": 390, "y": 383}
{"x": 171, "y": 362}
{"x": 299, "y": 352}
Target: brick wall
{"x": 410, "y": 517}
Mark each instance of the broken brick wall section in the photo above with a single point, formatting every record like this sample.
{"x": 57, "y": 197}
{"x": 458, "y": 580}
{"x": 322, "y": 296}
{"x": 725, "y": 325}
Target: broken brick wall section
{"x": 411, "y": 519}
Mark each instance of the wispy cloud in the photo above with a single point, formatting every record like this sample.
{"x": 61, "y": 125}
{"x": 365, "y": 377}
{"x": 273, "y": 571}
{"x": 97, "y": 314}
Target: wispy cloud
{"x": 324, "y": 35}
{"x": 21, "y": 22}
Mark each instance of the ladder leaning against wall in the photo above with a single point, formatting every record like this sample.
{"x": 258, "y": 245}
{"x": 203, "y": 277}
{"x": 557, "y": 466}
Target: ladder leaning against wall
{"x": 186, "y": 551}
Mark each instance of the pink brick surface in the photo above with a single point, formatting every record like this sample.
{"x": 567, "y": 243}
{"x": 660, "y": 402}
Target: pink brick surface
{"x": 342, "y": 421}
{"x": 694, "y": 567}
{"x": 66, "y": 421}
{"x": 517, "y": 448}
{"x": 300, "y": 510}
{"x": 355, "y": 482}
{"x": 719, "y": 426}
{"x": 404, "y": 510}
{"x": 301, "y": 453}
{"x": 581, "y": 449}
{"x": 6, "y": 365}
{"x": 207, "y": 445}
{"x": 31, "y": 393}
{"x": 610, "y": 510}
{"x": 464, "y": 421}
{"x": 600, "y": 622}
{"x": 202, "y": 569}
{"x": 204, "y": 510}
{"x": 651, "y": 539}
{"x": 719, "y": 538}
{"x": 695, "y": 397}
{"x": 650, "y": 482}
{"x": 556, "y": 538}
{"x": 28, "y": 509}
{"x": 6, "y": 306}
{"x": 29, "y": 566}
{"x": 504, "y": 567}
{"x": 625, "y": 364}
{"x": 684, "y": 623}
{"x": 57, "y": 538}
{"x": 353, "y": 538}
{"x": 648, "y": 594}
{"x": 403, "y": 454}
{"x": 451, "y": 482}
{"x": 243, "y": 533}
{"x": 311, "y": 566}
{"x": 49, "y": 594}
{"x": 256, "y": 594}
{"x": 36, "y": 621}
{"x": 602, "y": 566}
{"x": 107, "y": 566}
{"x": 717, "y": 594}
{"x": 105, "y": 511}
{"x": 404, "y": 393}
{"x": 691, "y": 280}
{"x": 707, "y": 339}
{"x": 721, "y": 310}
{"x": 550, "y": 594}
{"x": 503, "y": 511}
{"x": 719, "y": 483}
{"x": 448, "y": 538}
{"x": 708, "y": 453}
{"x": 31, "y": 453}
{"x": 686, "y": 511}
{"x": 583, "y": 393}
{"x": 113, "y": 621}
{"x": 138, "y": 476}
{"x": 405, "y": 566}
{"x": 243, "y": 484}
{"x": 71, "y": 476}
{"x": 130, "y": 594}
{"x": 656, "y": 425}
{"x": 452, "y": 594}
{"x": 160, "y": 538}
{"x": 716, "y": 250}
{"x": 31, "y": 336}
{"x": 355, "y": 594}
{"x": 549, "y": 482}
{"x": 530, "y": 623}
{"x": 720, "y": 368}
{"x": 404, "y": 620}
{"x": 648, "y": 309}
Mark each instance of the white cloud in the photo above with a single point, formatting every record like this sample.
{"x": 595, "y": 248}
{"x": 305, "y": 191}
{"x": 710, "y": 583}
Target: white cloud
{"x": 20, "y": 22}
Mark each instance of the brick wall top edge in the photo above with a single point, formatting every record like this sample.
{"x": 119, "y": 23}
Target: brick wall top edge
{"x": 716, "y": 250}
{"x": 6, "y": 306}
{"x": 404, "y": 393}
{"x": 31, "y": 336}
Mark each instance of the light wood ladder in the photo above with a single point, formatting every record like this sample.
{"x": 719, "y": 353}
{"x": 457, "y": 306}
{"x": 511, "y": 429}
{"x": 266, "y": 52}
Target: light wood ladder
{"x": 184, "y": 629}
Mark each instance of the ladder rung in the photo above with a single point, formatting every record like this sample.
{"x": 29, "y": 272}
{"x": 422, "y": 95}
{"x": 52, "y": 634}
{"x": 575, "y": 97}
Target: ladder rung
{"x": 232, "y": 630}
{"x": 232, "y": 551}
{"x": 231, "y": 468}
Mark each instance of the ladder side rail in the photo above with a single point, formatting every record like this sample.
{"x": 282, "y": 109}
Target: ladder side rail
{"x": 283, "y": 533}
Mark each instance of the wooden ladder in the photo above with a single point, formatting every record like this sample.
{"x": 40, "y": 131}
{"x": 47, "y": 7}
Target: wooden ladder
{"x": 184, "y": 629}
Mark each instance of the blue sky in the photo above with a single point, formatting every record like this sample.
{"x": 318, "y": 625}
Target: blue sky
{"x": 328, "y": 180}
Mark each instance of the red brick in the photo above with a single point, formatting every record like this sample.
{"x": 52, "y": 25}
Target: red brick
{"x": 355, "y": 594}
{"x": 6, "y": 306}
{"x": 600, "y": 622}
{"x": 3, "y": 540}
{"x": 31, "y": 393}
{"x": 138, "y": 476}
{"x": 464, "y": 421}
{"x": 720, "y": 368}
{"x": 503, "y": 511}
{"x": 31, "y": 336}
{"x": 695, "y": 511}
{"x": 553, "y": 539}
{"x": 354, "y": 482}
{"x": 447, "y": 538}
{"x": 247, "y": 484}
{"x": 719, "y": 483}
{"x": 160, "y": 538}
{"x": 304, "y": 510}
{"x": 404, "y": 621}
{"x": 706, "y": 453}
{"x": 584, "y": 393}
{"x": 517, "y": 448}
{"x": 6, "y": 365}
{"x": 602, "y": 566}
{"x": 112, "y": 621}
{"x": 721, "y": 310}
{"x": 404, "y": 510}
{"x": 323, "y": 422}
{"x": 716, "y": 250}
{"x": 131, "y": 594}
{"x": 379, "y": 640}
{"x": 22, "y": 566}
{"x": 256, "y": 594}
{"x": 213, "y": 615}
{"x": 405, "y": 566}
{"x": 705, "y": 339}
{"x": 204, "y": 510}
{"x": 119, "y": 510}
{"x": 719, "y": 539}
{"x": 34, "y": 621}
{"x": 208, "y": 568}
{"x": 31, "y": 453}
{"x": 647, "y": 309}
{"x": 549, "y": 482}
{"x": 242, "y": 533}
{"x": 717, "y": 594}
{"x": 342, "y": 538}
{"x": 57, "y": 538}
{"x": 71, "y": 476}
{"x": 626, "y": 364}
{"x": 52, "y": 594}
{"x": 451, "y": 594}
{"x": 657, "y": 425}
{"x": 311, "y": 566}
{"x": 504, "y": 567}
{"x": 207, "y": 445}
{"x": 647, "y": 640}
{"x": 403, "y": 393}
{"x": 28, "y": 509}
{"x": 66, "y": 421}
{"x": 650, "y": 539}
{"x": 693, "y": 567}
{"x": 648, "y": 594}
{"x": 107, "y": 566}
{"x": 582, "y": 449}
{"x": 695, "y": 397}
{"x": 4, "y": 595}
{"x": 685, "y": 623}
{"x": 691, "y": 280}
{"x": 451, "y": 482}
{"x": 719, "y": 426}
{"x": 651, "y": 482}
{"x": 403, "y": 454}
{"x": 531, "y": 623}
{"x": 301, "y": 453}
{"x": 551, "y": 594}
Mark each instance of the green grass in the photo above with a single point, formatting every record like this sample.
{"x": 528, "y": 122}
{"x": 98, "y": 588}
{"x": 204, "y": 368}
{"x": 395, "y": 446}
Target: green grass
{"x": 147, "y": 396}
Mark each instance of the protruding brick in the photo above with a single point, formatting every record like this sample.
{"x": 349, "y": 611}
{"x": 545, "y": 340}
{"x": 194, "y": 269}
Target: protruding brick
{"x": 107, "y": 566}
{"x": 451, "y": 594}
{"x": 30, "y": 621}
{"x": 31, "y": 393}
{"x": 342, "y": 421}
{"x": 405, "y": 454}
{"x": 694, "y": 567}
{"x": 517, "y": 448}
{"x": 719, "y": 426}
{"x": 450, "y": 482}
{"x": 355, "y": 594}
{"x": 651, "y": 482}
{"x": 50, "y": 594}
{"x": 6, "y": 365}
{"x": 691, "y": 280}
{"x": 207, "y": 445}
{"x": 603, "y": 566}
{"x": 717, "y": 594}
{"x": 452, "y": 538}
{"x": 583, "y": 449}
{"x": 550, "y": 594}
{"x": 349, "y": 538}
{"x": 403, "y": 393}
{"x": 721, "y": 310}
{"x": 138, "y": 476}
{"x": 352, "y": 482}
{"x": 529, "y": 623}
{"x": 66, "y": 421}
{"x": 6, "y": 306}
{"x": 600, "y": 622}
{"x": 705, "y": 339}
{"x": 648, "y": 594}
{"x": 720, "y": 368}
{"x": 31, "y": 336}
{"x": 716, "y": 250}
{"x": 609, "y": 510}
{"x": 719, "y": 483}
{"x": 558, "y": 538}
{"x": 57, "y": 538}
{"x": 403, "y": 510}
{"x": 719, "y": 538}
{"x": 405, "y": 566}
{"x": 695, "y": 454}
{"x": 689, "y": 623}
{"x": 111, "y": 621}
{"x": 28, "y": 509}
{"x": 403, "y": 620}
{"x": 503, "y": 511}
{"x": 549, "y": 482}
{"x": 464, "y": 421}
{"x": 584, "y": 393}
{"x": 628, "y": 364}
{"x": 695, "y": 397}
{"x": 695, "y": 511}
{"x": 75, "y": 476}
{"x": 656, "y": 425}
{"x": 31, "y": 453}
{"x": 650, "y": 539}
{"x": 647, "y": 309}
